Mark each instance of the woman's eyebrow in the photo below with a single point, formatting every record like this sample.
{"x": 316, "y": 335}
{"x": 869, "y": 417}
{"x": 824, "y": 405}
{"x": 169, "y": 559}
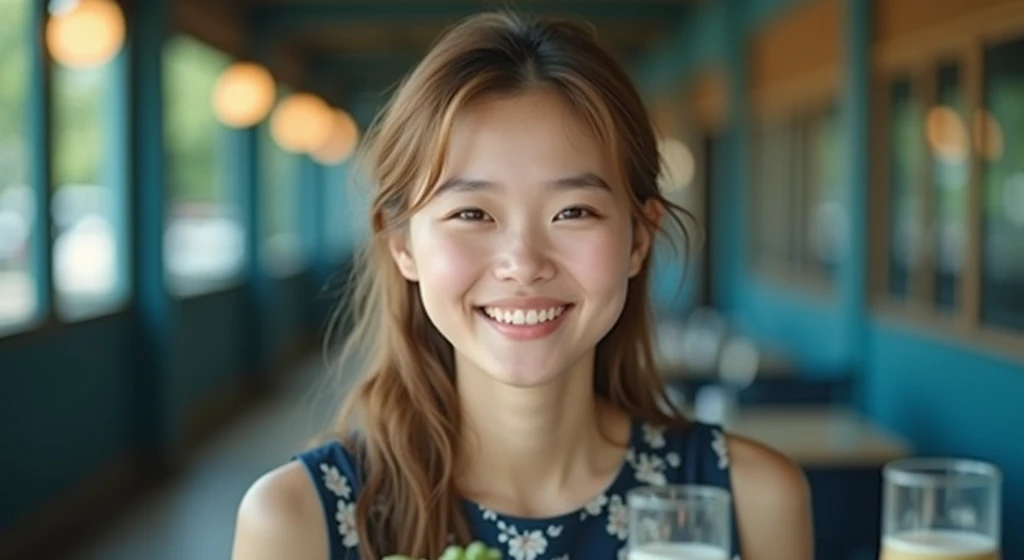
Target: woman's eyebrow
{"x": 586, "y": 180}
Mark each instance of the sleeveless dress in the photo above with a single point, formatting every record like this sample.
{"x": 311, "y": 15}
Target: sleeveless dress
{"x": 696, "y": 454}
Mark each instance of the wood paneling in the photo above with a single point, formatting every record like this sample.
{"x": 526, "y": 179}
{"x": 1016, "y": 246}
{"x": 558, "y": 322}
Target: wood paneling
{"x": 798, "y": 56}
{"x": 709, "y": 100}
{"x": 908, "y": 30}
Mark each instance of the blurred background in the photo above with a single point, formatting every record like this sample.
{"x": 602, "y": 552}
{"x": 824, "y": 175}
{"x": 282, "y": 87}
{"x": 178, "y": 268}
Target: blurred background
{"x": 178, "y": 215}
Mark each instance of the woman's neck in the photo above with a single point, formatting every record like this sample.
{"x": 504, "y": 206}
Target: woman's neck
{"x": 551, "y": 441}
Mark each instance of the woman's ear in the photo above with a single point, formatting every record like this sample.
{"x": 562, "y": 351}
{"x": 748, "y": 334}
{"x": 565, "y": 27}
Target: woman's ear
{"x": 399, "y": 246}
{"x": 643, "y": 234}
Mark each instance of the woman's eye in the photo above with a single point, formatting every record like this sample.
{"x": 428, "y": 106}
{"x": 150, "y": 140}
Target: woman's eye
{"x": 575, "y": 213}
{"x": 471, "y": 215}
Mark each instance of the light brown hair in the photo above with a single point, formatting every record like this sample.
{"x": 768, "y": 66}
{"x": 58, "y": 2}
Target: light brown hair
{"x": 404, "y": 406}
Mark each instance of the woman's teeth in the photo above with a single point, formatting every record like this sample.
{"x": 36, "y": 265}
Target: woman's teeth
{"x": 523, "y": 316}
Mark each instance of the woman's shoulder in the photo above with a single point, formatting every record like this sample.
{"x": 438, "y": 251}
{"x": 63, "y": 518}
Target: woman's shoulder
{"x": 285, "y": 512}
{"x": 280, "y": 516}
{"x": 772, "y": 498}
{"x": 758, "y": 470}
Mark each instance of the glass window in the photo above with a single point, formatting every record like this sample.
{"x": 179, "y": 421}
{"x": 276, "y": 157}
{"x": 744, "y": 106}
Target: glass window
{"x": 345, "y": 211}
{"x": 825, "y": 223}
{"x": 947, "y": 136}
{"x": 18, "y": 291}
{"x": 775, "y": 192}
{"x": 88, "y": 204}
{"x": 1000, "y": 143}
{"x": 204, "y": 241}
{"x": 906, "y": 148}
{"x": 280, "y": 187}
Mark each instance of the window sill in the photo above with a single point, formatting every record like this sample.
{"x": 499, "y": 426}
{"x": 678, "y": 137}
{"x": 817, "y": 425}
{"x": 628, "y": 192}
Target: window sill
{"x": 948, "y": 328}
{"x": 804, "y": 280}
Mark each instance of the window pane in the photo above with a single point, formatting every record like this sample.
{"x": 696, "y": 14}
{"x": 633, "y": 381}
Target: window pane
{"x": 345, "y": 211}
{"x": 773, "y": 200}
{"x": 18, "y": 291}
{"x": 948, "y": 143}
{"x": 906, "y": 235}
{"x": 87, "y": 203}
{"x": 825, "y": 226}
{"x": 280, "y": 187}
{"x": 1001, "y": 145}
{"x": 204, "y": 241}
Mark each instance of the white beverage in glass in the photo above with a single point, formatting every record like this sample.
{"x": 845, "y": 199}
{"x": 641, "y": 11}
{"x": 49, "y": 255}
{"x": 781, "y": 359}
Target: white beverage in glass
{"x": 941, "y": 509}
{"x": 939, "y": 545}
{"x": 679, "y": 522}
{"x": 678, "y": 551}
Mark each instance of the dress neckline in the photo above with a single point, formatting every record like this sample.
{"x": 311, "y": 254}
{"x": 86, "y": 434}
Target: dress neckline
{"x": 620, "y": 479}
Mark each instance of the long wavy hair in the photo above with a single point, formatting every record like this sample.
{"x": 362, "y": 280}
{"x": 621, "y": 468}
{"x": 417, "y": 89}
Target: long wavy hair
{"x": 404, "y": 406}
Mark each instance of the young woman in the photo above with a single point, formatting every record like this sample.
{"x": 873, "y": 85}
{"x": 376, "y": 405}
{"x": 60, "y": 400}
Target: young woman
{"x": 508, "y": 392}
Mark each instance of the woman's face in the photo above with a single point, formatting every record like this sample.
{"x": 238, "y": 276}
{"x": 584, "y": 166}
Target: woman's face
{"x": 524, "y": 252}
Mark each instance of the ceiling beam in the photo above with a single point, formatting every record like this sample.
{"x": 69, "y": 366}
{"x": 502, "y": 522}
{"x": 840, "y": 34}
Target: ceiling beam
{"x": 271, "y": 21}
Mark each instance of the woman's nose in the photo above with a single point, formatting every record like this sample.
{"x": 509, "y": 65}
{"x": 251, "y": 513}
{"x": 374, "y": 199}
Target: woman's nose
{"x": 524, "y": 259}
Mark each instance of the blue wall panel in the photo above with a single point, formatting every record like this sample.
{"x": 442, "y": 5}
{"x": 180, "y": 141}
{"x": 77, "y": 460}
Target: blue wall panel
{"x": 952, "y": 400}
{"x": 211, "y": 344}
{"x": 64, "y": 411}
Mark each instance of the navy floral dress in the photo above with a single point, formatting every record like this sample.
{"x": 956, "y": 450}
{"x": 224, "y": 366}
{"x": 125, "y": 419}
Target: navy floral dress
{"x": 597, "y": 531}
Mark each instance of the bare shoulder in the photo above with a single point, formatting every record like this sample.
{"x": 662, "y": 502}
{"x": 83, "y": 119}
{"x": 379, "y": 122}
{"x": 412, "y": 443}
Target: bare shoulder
{"x": 772, "y": 503}
{"x": 280, "y": 516}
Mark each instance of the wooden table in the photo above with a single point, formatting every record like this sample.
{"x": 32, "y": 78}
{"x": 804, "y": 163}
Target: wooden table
{"x": 842, "y": 454}
{"x": 820, "y": 437}
{"x": 772, "y": 365}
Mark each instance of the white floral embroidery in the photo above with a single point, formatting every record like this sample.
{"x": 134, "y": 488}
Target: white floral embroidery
{"x": 654, "y": 436}
{"x": 650, "y": 469}
{"x": 335, "y": 482}
{"x": 673, "y": 460}
{"x": 721, "y": 448}
{"x": 488, "y": 515}
{"x": 594, "y": 507}
{"x": 346, "y": 518}
{"x": 527, "y": 545}
{"x": 618, "y": 518}
{"x": 623, "y": 554}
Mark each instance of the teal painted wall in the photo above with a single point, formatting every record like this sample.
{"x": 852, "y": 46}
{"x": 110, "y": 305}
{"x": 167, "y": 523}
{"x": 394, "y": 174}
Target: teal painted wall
{"x": 946, "y": 398}
{"x": 951, "y": 399}
{"x": 64, "y": 410}
{"x": 211, "y": 357}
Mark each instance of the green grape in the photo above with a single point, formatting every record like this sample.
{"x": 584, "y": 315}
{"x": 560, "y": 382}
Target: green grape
{"x": 476, "y": 551}
{"x": 452, "y": 553}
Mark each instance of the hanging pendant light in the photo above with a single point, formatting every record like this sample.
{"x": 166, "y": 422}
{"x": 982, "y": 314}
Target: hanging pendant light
{"x": 243, "y": 95}
{"x": 342, "y": 141}
{"x": 301, "y": 123}
{"x": 86, "y": 34}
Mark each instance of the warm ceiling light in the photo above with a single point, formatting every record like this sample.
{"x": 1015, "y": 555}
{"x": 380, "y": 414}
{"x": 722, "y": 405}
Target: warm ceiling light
{"x": 342, "y": 142}
{"x": 678, "y": 166}
{"x": 87, "y": 34}
{"x": 988, "y": 136}
{"x": 302, "y": 122}
{"x": 947, "y": 134}
{"x": 243, "y": 95}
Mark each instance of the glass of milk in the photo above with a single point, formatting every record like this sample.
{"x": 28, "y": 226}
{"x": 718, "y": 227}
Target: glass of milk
{"x": 679, "y": 522}
{"x": 941, "y": 509}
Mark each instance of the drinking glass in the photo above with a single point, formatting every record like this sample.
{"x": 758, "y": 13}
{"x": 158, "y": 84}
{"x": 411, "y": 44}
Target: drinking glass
{"x": 948, "y": 509}
{"x": 679, "y": 522}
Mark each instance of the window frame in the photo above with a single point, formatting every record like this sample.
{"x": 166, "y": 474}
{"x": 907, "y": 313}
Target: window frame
{"x": 920, "y": 56}
{"x": 794, "y": 269}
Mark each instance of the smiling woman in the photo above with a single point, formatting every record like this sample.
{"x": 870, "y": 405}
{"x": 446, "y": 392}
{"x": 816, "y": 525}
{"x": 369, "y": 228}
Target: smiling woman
{"x": 508, "y": 393}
